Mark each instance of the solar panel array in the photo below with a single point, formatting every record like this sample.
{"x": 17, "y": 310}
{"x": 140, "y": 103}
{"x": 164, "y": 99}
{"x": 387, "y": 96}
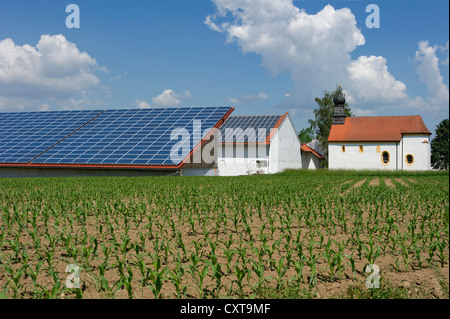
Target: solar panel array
{"x": 248, "y": 129}
{"x": 136, "y": 137}
{"x": 23, "y": 136}
{"x": 160, "y": 136}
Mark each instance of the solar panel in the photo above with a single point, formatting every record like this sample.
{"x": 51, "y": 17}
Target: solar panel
{"x": 160, "y": 136}
{"x": 249, "y": 129}
{"x": 25, "y": 135}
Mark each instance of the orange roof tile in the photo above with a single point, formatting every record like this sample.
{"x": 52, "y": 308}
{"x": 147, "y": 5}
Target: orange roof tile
{"x": 380, "y": 128}
{"x": 306, "y": 148}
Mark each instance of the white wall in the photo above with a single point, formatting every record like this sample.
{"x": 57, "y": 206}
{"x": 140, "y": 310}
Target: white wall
{"x": 285, "y": 148}
{"x": 310, "y": 161}
{"x": 199, "y": 172}
{"x": 282, "y": 153}
{"x": 410, "y": 144}
{"x": 413, "y": 145}
{"x": 369, "y": 159}
{"x": 240, "y": 159}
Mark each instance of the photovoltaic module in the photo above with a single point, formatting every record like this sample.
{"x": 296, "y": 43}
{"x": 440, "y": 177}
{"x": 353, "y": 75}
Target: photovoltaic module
{"x": 24, "y": 136}
{"x": 248, "y": 129}
{"x": 134, "y": 137}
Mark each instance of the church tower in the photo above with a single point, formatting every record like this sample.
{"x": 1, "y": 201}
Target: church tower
{"x": 339, "y": 108}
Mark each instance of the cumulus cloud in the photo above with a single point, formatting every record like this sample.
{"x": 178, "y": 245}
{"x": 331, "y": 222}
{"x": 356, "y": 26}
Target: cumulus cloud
{"x": 427, "y": 65}
{"x": 187, "y": 94}
{"x": 53, "y": 70}
{"x": 248, "y": 98}
{"x": 142, "y": 104}
{"x": 444, "y": 48}
{"x": 313, "y": 48}
{"x": 370, "y": 80}
{"x": 169, "y": 98}
{"x": 44, "y": 108}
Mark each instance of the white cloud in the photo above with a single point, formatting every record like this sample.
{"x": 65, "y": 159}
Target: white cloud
{"x": 444, "y": 48}
{"x": 142, "y": 104}
{"x": 169, "y": 98}
{"x": 44, "y": 107}
{"x": 120, "y": 76}
{"x": 233, "y": 100}
{"x": 361, "y": 112}
{"x": 427, "y": 65}
{"x": 313, "y": 48}
{"x": 369, "y": 80}
{"x": 187, "y": 94}
{"x": 54, "y": 70}
{"x": 248, "y": 98}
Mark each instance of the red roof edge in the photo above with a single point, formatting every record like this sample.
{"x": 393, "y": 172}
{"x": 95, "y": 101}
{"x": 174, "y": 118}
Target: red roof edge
{"x": 276, "y": 127}
{"x": 203, "y": 141}
{"x": 306, "y": 148}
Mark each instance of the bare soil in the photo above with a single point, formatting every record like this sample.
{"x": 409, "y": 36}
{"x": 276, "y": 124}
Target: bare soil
{"x": 389, "y": 183}
{"x": 399, "y": 180}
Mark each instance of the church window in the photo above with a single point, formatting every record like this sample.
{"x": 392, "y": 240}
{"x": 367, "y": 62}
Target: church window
{"x": 409, "y": 159}
{"x": 385, "y": 158}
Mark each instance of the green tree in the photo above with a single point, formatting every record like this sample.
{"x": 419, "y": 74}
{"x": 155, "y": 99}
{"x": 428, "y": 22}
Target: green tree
{"x": 323, "y": 115}
{"x": 306, "y": 135}
{"x": 439, "y": 146}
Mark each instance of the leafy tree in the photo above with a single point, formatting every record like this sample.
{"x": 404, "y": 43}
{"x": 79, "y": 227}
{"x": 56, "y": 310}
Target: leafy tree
{"x": 439, "y": 146}
{"x": 306, "y": 135}
{"x": 321, "y": 125}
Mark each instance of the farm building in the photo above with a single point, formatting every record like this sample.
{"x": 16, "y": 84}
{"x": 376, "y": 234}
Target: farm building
{"x": 258, "y": 145}
{"x": 311, "y": 155}
{"x": 384, "y": 142}
{"x": 146, "y": 142}
{"x": 125, "y": 142}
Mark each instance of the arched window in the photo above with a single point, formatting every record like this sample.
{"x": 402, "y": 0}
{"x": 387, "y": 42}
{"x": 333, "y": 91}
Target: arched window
{"x": 409, "y": 159}
{"x": 385, "y": 158}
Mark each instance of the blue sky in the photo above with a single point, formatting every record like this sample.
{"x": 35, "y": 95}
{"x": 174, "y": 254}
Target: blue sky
{"x": 260, "y": 56}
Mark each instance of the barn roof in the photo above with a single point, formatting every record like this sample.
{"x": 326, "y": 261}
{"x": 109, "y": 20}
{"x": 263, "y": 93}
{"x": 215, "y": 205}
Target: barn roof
{"x": 250, "y": 129}
{"x": 134, "y": 138}
{"x": 377, "y": 129}
{"x": 306, "y": 148}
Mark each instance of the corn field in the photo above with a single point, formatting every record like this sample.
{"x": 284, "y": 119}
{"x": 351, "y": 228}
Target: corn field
{"x": 198, "y": 237}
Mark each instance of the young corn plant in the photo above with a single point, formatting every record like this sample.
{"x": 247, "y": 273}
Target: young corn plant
{"x": 281, "y": 271}
{"x": 176, "y": 276}
{"x": 258, "y": 269}
{"x": 199, "y": 275}
{"x": 299, "y": 265}
{"x": 240, "y": 273}
{"x": 217, "y": 274}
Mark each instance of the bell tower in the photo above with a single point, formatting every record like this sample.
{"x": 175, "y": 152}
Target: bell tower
{"x": 339, "y": 108}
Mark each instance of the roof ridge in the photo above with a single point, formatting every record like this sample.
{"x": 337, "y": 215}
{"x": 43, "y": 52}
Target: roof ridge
{"x": 385, "y": 116}
{"x": 255, "y": 115}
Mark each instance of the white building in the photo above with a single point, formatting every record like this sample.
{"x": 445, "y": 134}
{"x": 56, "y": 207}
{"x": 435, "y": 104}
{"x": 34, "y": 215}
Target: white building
{"x": 381, "y": 143}
{"x": 258, "y": 145}
{"x": 311, "y": 157}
